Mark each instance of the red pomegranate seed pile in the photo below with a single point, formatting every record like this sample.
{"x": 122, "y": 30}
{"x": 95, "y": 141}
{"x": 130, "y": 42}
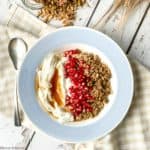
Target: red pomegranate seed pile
{"x": 78, "y": 99}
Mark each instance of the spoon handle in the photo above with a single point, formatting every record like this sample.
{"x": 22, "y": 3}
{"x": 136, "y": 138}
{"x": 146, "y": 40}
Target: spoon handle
{"x": 17, "y": 119}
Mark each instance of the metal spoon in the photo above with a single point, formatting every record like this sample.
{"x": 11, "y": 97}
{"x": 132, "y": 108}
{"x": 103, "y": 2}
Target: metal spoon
{"x": 17, "y": 49}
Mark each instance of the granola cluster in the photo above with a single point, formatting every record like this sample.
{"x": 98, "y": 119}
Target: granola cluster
{"x": 100, "y": 76}
{"x": 64, "y": 10}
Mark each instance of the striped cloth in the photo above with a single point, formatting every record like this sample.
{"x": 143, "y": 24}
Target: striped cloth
{"x": 132, "y": 134}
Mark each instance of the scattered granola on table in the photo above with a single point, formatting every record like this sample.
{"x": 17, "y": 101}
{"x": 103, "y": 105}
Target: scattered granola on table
{"x": 64, "y": 10}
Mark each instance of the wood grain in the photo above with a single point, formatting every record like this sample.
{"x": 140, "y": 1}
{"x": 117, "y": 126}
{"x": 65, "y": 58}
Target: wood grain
{"x": 84, "y": 14}
{"x": 123, "y": 36}
{"x": 141, "y": 46}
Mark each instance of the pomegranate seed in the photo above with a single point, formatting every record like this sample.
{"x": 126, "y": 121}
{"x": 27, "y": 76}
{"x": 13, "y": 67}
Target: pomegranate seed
{"x": 79, "y": 91}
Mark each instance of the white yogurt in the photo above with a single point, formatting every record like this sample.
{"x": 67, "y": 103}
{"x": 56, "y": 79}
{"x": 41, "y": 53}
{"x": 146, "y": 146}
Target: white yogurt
{"x": 104, "y": 59}
{"x": 46, "y": 74}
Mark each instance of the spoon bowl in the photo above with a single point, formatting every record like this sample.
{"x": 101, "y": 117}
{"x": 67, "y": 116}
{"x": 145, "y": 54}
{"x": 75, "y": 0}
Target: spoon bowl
{"x": 17, "y": 49}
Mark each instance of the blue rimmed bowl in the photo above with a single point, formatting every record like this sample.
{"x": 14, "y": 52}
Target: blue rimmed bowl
{"x": 121, "y": 72}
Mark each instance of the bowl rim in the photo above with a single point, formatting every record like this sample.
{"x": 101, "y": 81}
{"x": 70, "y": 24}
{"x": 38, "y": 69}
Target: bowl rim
{"x": 121, "y": 52}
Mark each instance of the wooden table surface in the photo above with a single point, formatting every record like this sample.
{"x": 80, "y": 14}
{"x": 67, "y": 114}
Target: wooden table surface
{"x": 134, "y": 39}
